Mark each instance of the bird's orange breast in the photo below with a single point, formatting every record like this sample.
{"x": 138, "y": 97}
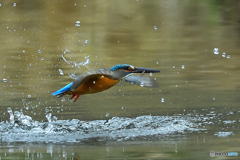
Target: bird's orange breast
{"x": 96, "y": 84}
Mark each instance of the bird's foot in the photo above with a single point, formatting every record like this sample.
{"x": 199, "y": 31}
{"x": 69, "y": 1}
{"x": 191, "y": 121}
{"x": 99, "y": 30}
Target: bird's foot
{"x": 76, "y": 98}
{"x": 72, "y": 96}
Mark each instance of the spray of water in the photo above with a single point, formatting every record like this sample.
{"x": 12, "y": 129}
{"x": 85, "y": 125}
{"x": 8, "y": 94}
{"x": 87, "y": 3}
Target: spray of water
{"x": 84, "y": 63}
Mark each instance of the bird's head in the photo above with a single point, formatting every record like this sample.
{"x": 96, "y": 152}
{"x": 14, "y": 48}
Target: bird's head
{"x": 132, "y": 69}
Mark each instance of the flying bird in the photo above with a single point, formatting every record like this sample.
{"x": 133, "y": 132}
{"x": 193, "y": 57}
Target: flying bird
{"x": 103, "y": 79}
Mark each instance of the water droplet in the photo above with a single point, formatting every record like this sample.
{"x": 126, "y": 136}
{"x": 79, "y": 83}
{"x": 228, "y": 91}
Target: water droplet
{"x": 162, "y": 100}
{"x": 183, "y": 66}
{"x": 228, "y": 56}
{"x": 85, "y": 5}
{"x": 11, "y": 115}
{"x": 42, "y": 58}
{"x": 176, "y": 148}
{"x": 61, "y": 72}
{"x": 223, "y": 54}
{"x": 54, "y": 118}
{"x": 216, "y": 51}
{"x": 27, "y": 107}
{"x": 155, "y": 27}
{"x": 86, "y": 41}
{"x": 29, "y": 96}
{"x": 107, "y": 114}
{"x": 122, "y": 107}
{"x": 48, "y": 116}
{"x": 173, "y": 66}
{"x": 157, "y": 62}
{"x": 77, "y": 23}
{"x": 39, "y": 51}
{"x": 214, "y": 99}
{"x": 63, "y": 99}
{"x": 176, "y": 86}
{"x": 94, "y": 82}
{"x": 4, "y": 80}
{"x": 142, "y": 84}
{"x": 14, "y": 4}
{"x": 150, "y": 74}
{"x": 46, "y": 110}
{"x": 23, "y": 51}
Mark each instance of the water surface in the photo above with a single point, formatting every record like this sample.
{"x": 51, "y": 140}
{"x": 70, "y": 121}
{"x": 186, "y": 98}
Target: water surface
{"x": 194, "y": 110}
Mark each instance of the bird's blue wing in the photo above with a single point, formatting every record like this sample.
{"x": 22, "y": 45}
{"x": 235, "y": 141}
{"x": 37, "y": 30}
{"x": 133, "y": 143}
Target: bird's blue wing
{"x": 62, "y": 90}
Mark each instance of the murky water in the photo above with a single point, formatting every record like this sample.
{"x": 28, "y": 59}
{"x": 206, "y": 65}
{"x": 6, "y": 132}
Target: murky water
{"x": 194, "y": 110}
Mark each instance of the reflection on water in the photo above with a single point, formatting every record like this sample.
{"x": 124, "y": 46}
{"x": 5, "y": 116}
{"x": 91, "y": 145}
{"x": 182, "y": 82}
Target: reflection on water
{"x": 195, "y": 44}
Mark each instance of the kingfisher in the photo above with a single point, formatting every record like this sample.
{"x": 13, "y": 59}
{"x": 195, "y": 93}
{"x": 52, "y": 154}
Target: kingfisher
{"x": 103, "y": 79}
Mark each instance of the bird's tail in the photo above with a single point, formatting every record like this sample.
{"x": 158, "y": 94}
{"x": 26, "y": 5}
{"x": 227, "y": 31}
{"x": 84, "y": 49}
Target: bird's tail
{"x": 62, "y": 90}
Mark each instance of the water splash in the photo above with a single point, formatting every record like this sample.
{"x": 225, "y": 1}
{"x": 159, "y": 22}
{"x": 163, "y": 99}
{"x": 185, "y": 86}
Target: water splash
{"x": 223, "y": 134}
{"x": 11, "y": 119}
{"x": 87, "y": 60}
{"x": 49, "y": 117}
{"x": 22, "y": 128}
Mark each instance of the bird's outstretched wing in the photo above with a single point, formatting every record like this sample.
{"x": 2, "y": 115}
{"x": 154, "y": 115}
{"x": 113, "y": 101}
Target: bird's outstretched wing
{"x": 143, "y": 81}
{"x": 73, "y": 76}
{"x": 87, "y": 77}
{"x": 93, "y": 75}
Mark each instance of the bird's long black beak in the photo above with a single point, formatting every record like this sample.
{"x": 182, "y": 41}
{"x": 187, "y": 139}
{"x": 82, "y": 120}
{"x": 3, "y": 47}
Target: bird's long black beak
{"x": 144, "y": 70}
